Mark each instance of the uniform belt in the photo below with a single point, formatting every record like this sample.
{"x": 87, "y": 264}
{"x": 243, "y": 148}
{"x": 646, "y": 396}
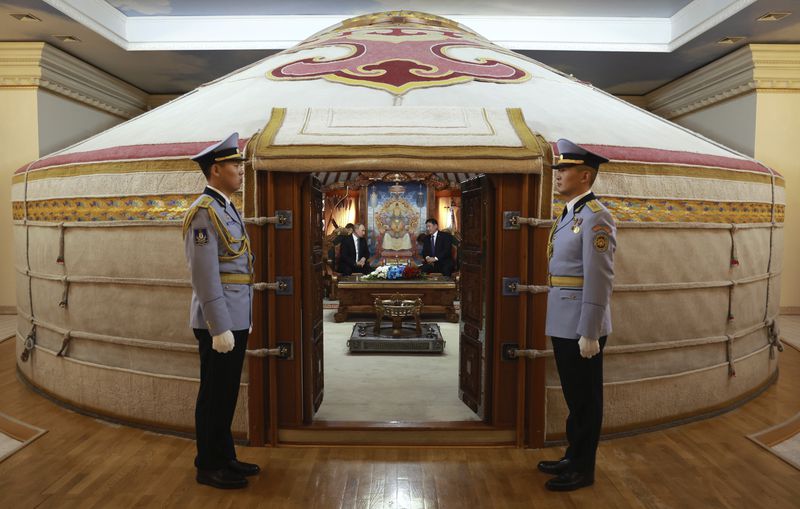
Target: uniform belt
{"x": 565, "y": 281}
{"x": 235, "y": 279}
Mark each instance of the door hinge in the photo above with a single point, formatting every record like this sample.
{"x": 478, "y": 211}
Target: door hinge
{"x": 283, "y": 285}
{"x": 512, "y": 287}
{"x": 512, "y": 220}
{"x": 284, "y": 350}
{"x": 282, "y": 220}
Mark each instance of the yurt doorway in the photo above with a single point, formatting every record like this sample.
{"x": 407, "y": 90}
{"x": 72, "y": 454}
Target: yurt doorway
{"x": 426, "y": 367}
{"x": 286, "y": 392}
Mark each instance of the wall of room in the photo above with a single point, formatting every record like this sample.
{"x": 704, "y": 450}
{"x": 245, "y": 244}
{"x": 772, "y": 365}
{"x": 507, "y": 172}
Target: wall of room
{"x": 18, "y": 146}
{"x": 731, "y": 122}
{"x": 63, "y": 121}
{"x": 49, "y": 100}
{"x": 777, "y": 134}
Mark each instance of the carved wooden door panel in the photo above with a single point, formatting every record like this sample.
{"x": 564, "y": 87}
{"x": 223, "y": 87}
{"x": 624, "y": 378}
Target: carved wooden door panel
{"x": 312, "y": 271}
{"x": 475, "y": 266}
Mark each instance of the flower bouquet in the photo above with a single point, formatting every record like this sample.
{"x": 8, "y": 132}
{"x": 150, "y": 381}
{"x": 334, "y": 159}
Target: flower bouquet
{"x": 394, "y": 272}
{"x": 412, "y": 271}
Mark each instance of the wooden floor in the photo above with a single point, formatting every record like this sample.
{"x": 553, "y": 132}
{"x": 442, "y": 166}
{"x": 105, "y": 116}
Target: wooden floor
{"x": 8, "y": 325}
{"x": 790, "y": 330}
{"x": 82, "y": 462}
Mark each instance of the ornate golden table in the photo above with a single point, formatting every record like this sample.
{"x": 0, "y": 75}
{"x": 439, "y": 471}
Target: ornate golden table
{"x": 357, "y": 296}
{"x": 396, "y": 307}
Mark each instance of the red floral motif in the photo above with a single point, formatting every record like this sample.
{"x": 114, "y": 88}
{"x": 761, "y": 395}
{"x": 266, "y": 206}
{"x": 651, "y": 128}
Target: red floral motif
{"x": 398, "y": 59}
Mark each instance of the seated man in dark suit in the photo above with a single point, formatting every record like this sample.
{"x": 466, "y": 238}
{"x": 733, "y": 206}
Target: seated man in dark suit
{"x": 437, "y": 250}
{"x": 354, "y": 253}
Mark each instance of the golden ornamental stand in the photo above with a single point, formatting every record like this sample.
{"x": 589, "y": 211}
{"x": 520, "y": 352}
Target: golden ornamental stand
{"x": 397, "y": 307}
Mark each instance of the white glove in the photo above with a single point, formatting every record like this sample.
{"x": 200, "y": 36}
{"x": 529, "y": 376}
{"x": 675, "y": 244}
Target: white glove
{"x": 224, "y": 342}
{"x": 589, "y": 347}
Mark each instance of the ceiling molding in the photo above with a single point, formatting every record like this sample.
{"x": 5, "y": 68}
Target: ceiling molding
{"x": 156, "y": 100}
{"x": 96, "y": 15}
{"x": 777, "y": 66}
{"x": 636, "y": 100}
{"x": 247, "y": 32}
{"x": 37, "y": 64}
{"x": 761, "y": 67}
{"x": 701, "y": 16}
{"x": 635, "y": 34}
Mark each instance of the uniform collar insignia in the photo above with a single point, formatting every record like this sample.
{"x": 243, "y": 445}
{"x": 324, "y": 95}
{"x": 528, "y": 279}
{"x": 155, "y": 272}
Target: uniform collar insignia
{"x": 583, "y": 201}
{"x": 220, "y": 199}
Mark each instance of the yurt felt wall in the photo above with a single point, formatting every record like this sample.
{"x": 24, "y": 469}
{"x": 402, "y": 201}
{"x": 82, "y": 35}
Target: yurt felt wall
{"x": 101, "y": 271}
{"x": 695, "y": 294}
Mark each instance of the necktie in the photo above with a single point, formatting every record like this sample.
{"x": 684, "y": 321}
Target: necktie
{"x": 433, "y": 244}
{"x": 355, "y": 241}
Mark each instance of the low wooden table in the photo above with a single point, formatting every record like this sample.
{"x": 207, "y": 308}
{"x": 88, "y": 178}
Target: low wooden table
{"x": 358, "y": 296}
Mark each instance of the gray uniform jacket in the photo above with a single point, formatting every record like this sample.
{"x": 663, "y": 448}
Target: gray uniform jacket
{"x": 582, "y": 244}
{"x": 218, "y": 253}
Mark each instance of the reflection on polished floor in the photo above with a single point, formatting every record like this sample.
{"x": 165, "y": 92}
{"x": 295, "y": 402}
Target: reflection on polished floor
{"x": 84, "y": 462}
{"x": 390, "y": 387}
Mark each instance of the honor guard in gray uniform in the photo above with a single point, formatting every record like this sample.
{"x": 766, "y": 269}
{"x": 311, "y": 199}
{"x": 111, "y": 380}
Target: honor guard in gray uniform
{"x": 221, "y": 267}
{"x": 581, "y": 272}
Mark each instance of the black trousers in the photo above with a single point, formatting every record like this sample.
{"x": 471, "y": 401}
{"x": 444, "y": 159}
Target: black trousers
{"x": 582, "y": 384}
{"x": 220, "y": 375}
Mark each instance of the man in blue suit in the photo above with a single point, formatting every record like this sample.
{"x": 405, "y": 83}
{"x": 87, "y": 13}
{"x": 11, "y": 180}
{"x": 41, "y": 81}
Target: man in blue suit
{"x": 581, "y": 274}
{"x": 221, "y": 265}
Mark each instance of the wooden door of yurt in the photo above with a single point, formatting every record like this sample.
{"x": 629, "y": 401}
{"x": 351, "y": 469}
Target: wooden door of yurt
{"x": 476, "y": 260}
{"x": 287, "y": 391}
{"x": 312, "y": 345}
{"x": 276, "y": 383}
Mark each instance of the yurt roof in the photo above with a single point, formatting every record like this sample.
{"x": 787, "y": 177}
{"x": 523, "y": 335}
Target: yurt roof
{"x": 399, "y": 79}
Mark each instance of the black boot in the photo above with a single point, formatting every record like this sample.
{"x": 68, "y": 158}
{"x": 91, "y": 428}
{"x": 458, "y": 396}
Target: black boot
{"x": 245, "y": 469}
{"x": 224, "y": 478}
{"x": 569, "y": 481}
{"x": 554, "y": 467}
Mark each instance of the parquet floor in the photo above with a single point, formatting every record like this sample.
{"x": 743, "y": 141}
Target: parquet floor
{"x": 82, "y": 462}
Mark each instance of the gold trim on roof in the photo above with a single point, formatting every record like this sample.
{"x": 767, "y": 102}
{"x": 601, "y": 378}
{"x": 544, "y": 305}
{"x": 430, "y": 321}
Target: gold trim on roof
{"x": 672, "y": 170}
{"x": 404, "y": 17}
{"x": 116, "y": 167}
{"x": 186, "y": 165}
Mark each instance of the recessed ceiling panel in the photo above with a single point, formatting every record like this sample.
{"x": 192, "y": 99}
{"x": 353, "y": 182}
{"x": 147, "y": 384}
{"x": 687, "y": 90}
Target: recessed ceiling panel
{"x": 624, "y": 8}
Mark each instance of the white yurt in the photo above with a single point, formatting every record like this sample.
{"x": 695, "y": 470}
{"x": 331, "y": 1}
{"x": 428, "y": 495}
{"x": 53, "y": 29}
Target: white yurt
{"x": 102, "y": 284}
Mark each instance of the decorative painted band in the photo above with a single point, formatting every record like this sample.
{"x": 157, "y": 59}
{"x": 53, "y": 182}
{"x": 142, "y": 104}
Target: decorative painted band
{"x": 173, "y": 207}
{"x": 124, "y": 208}
{"x": 684, "y": 211}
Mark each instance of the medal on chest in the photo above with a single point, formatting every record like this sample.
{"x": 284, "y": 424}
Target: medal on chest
{"x": 576, "y": 224}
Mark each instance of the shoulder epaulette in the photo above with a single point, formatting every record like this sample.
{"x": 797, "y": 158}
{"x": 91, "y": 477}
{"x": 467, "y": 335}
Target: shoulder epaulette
{"x": 594, "y": 205}
{"x": 203, "y": 203}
